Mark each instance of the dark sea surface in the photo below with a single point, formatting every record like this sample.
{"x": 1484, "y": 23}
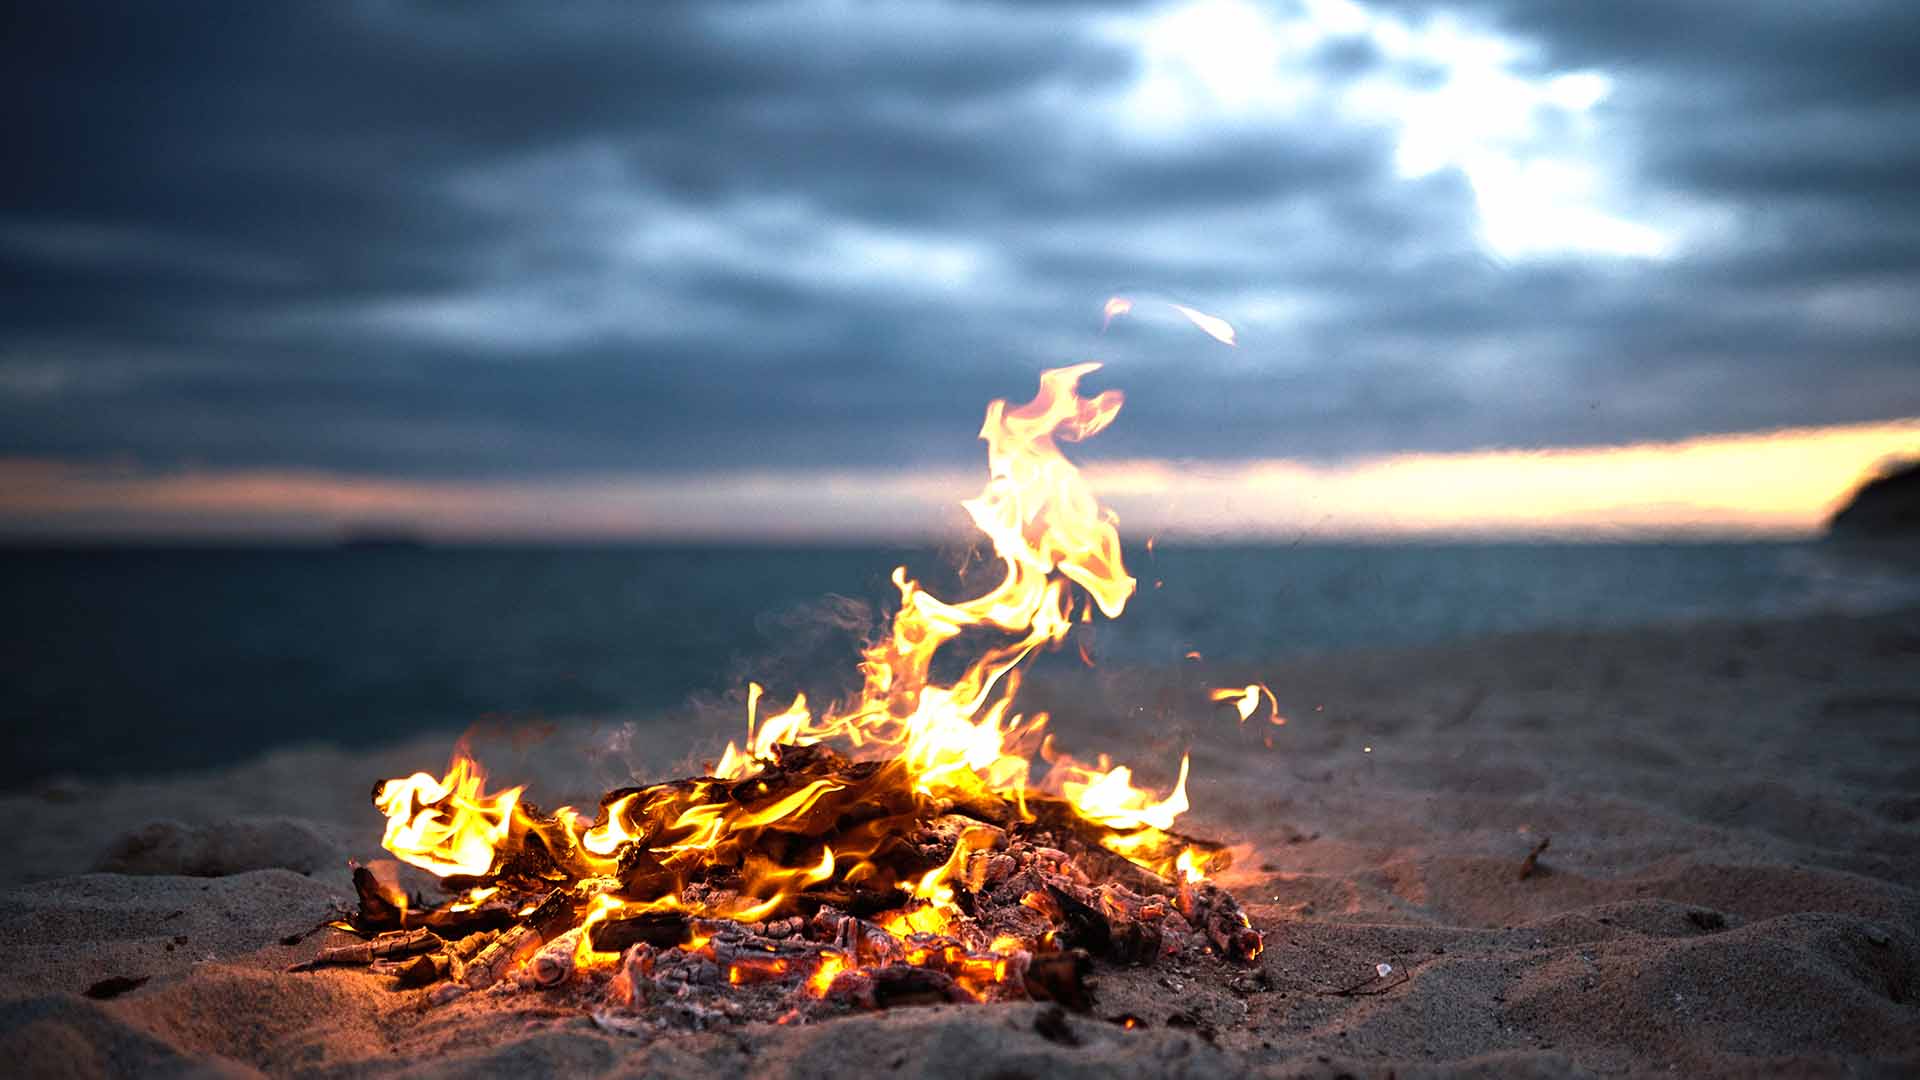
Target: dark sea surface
{"x": 144, "y": 660}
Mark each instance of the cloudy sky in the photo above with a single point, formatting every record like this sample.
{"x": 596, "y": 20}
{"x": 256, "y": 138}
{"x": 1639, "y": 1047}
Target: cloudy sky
{"x": 715, "y": 268}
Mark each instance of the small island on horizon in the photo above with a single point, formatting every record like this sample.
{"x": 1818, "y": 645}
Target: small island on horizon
{"x": 381, "y": 538}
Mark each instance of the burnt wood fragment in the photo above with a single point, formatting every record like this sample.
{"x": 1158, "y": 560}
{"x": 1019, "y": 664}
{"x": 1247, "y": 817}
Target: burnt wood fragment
{"x": 114, "y": 986}
{"x": 660, "y": 929}
{"x": 1061, "y": 977}
{"x": 384, "y": 947}
{"x": 897, "y": 985}
{"x": 381, "y": 904}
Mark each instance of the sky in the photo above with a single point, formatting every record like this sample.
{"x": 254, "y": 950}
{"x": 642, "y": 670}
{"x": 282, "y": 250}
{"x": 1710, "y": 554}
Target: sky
{"x": 754, "y": 269}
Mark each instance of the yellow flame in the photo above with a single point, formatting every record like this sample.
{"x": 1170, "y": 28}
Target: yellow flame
{"x": 1110, "y": 799}
{"x": 473, "y": 899}
{"x": 1189, "y": 868}
{"x": 447, "y": 826}
{"x": 1246, "y": 701}
{"x": 829, "y": 969}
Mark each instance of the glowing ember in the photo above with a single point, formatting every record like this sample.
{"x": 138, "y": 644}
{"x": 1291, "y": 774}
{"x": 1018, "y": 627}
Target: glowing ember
{"x": 894, "y": 847}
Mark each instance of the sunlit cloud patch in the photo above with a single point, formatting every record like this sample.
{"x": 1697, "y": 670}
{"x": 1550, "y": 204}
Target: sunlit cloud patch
{"x": 1453, "y": 94}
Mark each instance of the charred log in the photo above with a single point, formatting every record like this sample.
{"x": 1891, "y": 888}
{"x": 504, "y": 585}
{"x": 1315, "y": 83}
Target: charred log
{"x": 659, "y": 929}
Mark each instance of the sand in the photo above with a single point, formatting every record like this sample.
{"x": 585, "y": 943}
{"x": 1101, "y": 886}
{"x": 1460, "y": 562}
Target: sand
{"x": 1732, "y": 885}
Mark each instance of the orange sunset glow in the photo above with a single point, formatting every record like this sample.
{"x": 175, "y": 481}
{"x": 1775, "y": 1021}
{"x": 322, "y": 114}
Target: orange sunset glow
{"x": 1781, "y": 484}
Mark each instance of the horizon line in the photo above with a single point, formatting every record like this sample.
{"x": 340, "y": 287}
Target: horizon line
{"x": 1782, "y": 484}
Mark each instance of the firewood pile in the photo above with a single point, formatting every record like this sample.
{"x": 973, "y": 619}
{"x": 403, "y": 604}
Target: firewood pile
{"x": 793, "y": 881}
{"x": 930, "y": 900}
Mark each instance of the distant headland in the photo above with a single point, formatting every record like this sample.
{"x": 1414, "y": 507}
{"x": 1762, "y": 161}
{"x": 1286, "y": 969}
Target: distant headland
{"x": 1886, "y": 506}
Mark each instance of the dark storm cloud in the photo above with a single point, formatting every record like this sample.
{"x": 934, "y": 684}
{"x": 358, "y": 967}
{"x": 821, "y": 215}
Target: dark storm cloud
{"x": 406, "y": 238}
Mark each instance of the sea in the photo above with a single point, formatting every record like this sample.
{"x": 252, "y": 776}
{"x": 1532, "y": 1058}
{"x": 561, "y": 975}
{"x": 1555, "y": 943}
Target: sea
{"x": 144, "y": 660}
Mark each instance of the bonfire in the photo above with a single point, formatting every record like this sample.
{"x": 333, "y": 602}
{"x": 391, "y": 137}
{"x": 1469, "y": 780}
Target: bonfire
{"x": 920, "y": 842}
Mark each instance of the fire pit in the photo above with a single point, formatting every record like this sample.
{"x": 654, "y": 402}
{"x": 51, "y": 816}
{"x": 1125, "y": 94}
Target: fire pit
{"x": 901, "y": 848}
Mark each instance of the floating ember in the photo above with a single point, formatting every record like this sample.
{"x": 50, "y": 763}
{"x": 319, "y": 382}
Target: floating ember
{"x": 895, "y": 849}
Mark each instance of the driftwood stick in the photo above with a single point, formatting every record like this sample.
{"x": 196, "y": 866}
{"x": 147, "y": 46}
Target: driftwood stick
{"x": 411, "y": 974}
{"x": 468, "y": 947}
{"x": 383, "y": 947}
{"x": 1532, "y": 861}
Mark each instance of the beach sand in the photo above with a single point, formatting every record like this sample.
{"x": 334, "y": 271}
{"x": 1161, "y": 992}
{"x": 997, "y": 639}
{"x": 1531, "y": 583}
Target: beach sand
{"x": 1732, "y": 885}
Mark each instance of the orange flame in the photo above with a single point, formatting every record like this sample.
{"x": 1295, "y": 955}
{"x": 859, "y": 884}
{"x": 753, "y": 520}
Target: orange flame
{"x": 1246, "y": 701}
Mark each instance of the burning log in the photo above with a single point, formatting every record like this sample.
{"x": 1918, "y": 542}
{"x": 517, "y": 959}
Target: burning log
{"x": 384, "y": 907}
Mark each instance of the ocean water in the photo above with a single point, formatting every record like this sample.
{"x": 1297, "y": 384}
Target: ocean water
{"x": 145, "y": 660}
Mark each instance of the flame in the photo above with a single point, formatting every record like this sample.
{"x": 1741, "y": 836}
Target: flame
{"x": 1246, "y": 701}
{"x": 958, "y": 739}
{"x": 447, "y": 826}
{"x": 1189, "y": 867}
{"x": 1213, "y": 326}
{"x": 784, "y": 727}
{"x": 1110, "y": 799}
{"x": 829, "y": 969}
